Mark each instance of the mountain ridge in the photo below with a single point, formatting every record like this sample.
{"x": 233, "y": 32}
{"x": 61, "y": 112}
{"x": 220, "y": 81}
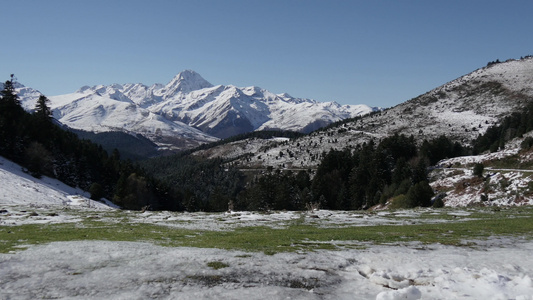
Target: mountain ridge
{"x": 189, "y": 110}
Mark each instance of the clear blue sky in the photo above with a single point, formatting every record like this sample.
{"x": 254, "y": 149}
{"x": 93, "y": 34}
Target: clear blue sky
{"x": 379, "y": 53}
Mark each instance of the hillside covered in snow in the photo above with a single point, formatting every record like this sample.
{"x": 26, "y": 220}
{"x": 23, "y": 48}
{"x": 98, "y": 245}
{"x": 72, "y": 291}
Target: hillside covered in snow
{"x": 461, "y": 109}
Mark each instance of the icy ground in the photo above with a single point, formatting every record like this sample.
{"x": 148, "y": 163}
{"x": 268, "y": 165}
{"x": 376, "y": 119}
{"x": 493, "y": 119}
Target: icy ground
{"x": 131, "y": 270}
{"x": 500, "y": 268}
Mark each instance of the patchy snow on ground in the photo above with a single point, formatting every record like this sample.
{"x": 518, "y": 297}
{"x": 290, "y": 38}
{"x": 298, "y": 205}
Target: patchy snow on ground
{"x": 131, "y": 270}
{"x": 15, "y": 215}
{"x": 497, "y": 187}
{"x": 500, "y": 268}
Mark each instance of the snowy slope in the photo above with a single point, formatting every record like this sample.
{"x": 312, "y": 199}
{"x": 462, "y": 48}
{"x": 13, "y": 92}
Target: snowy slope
{"x": 19, "y": 188}
{"x": 499, "y": 186}
{"x": 463, "y": 108}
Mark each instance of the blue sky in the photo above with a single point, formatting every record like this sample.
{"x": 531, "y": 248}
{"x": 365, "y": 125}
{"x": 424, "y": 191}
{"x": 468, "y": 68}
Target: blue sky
{"x": 379, "y": 53}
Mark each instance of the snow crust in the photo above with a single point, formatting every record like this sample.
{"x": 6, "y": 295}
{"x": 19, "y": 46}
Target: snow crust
{"x": 131, "y": 270}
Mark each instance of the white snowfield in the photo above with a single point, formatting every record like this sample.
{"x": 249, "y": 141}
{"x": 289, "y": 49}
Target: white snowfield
{"x": 131, "y": 270}
{"x": 500, "y": 268}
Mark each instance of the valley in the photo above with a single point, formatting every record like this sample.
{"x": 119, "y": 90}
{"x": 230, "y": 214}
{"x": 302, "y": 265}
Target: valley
{"x": 430, "y": 199}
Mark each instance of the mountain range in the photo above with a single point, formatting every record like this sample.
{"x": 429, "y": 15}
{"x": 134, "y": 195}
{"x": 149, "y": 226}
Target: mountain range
{"x": 188, "y": 111}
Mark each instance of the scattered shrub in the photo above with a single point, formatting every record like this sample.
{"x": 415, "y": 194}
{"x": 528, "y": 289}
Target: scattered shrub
{"x": 527, "y": 143}
{"x": 478, "y": 169}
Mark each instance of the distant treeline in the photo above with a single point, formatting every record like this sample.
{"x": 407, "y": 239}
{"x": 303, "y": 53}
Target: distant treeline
{"x": 497, "y": 61}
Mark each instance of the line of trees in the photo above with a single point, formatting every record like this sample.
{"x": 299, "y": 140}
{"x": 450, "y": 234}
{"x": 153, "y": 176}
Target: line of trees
{"x": 393, "y": 171}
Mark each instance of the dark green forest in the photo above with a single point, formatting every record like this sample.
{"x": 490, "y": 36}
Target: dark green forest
{"x": 393, "y": 170}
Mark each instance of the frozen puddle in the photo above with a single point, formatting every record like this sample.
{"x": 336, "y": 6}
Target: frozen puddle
{"x": 132, "y": 270}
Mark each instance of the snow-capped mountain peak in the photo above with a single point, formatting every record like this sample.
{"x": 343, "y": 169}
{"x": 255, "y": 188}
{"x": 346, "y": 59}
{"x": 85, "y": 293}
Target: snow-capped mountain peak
{"x": 185, "y": 82}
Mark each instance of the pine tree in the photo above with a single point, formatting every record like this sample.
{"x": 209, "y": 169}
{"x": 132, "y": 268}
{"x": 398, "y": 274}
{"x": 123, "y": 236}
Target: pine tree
{"x": 9, "y": 99}
{"x": 41, "y": 108}
{"x": 478, "y": 169}
{"x": 420, "y": 194}
{"x": 11, "y": 123}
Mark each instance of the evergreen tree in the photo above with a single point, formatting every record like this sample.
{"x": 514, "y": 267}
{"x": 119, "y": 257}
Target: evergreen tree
{"x": 11, "y": 122}
{"x": 38, "y": 160}
{"x": 478, "y": 169}
{"x": 420, "y": 195}
{"x": 10, "y": 99}
{"x": 332, "y": 177}
{"x": 42, "y": 111}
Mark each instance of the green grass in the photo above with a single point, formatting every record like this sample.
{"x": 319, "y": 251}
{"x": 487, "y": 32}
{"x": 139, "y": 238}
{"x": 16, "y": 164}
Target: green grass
{"x": 217, "y": 265}
{"x": 296, "y": 236}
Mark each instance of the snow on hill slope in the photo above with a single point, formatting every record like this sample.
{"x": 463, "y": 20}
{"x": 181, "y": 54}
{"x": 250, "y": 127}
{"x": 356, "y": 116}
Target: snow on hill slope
{"x": 507, "y": 178}
{"x": 461, "y": 109}
{"x": 19, "y": 188}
